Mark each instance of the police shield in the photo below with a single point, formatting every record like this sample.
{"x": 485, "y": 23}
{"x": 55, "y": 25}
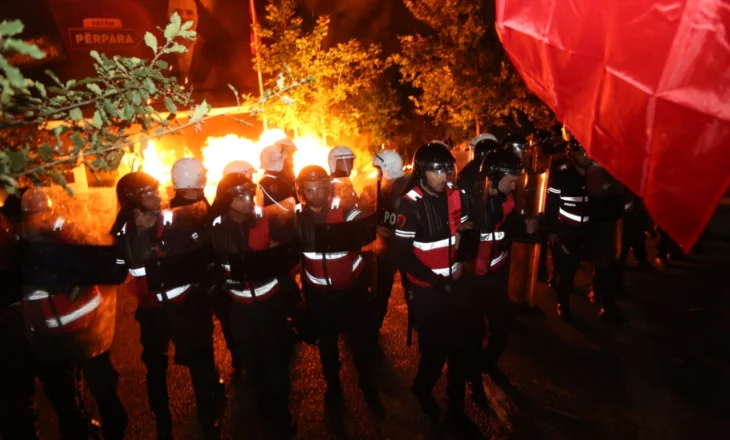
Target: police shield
{"x": 605, "y": 207}
{"x": 530, "y": 200}
{"x": 178, "y": 270}
{"x": 261, "y": 265}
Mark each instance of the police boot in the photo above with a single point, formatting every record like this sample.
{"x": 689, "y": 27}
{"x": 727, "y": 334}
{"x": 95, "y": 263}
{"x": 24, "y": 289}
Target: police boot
{"x": 564, "y": 313}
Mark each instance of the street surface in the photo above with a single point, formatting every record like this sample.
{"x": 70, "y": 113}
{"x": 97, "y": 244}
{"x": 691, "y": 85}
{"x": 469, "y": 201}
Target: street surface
{"x": 663, "y": 375}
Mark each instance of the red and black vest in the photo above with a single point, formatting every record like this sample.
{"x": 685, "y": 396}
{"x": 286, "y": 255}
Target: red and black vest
{"x": 165, "y": 240}
{"x": 259, "y": 239}
{"x": 61, "y": 313}
{"x": 435, "y": 250}
{"x": 493, "y": 244}
{"x": 332, "y": 270}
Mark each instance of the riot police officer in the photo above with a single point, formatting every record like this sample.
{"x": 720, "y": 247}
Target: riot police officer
{"x": 335, "y": 289}
{"x": 17, "y": 379}
{"x": 480, "y": 145}
{"x": 515, "y": 143}
{"x": 499, "y": 225}
{"x": 70, "y": 329}
{"x": 241, "y": 167}
{"x": 259, "y": 308}
{"x": 277, "y": 181}
{"x": 181, "y": 313}
{"x": 573, "y": 222}
{"x": 430, "y": 218}
{"x": 394, "y": 180}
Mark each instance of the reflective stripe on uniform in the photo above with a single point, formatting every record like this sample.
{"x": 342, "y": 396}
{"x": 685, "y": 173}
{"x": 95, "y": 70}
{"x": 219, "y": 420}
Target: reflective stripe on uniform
{"x": 173, "y": 293}
{"x": 258, "y": 211}
{"x": 58, "y": 225}
{"x": 328, "y": 281}
{"x": 258, "y": 291}
{"x": 413, "y": 195}
{"x": 574, "y": 199}
{"x": 424, "y": 246}
{"x": 405, "y": 234}
{"x": 217, "y": 221}
{"x": 488, "y": 236}
{"x": 138, "y": 272}
{"x": 76, "y": 314}
{"x": 464, "y": 219}
{"x": 167, "y": 217}
{"x": 554, "y": 190}
{"x": 36, "y": 295}
{"x": 328, "y": 255}
{"x": 354, "y": 213}
{"x": 445, "y": 271}
{"x": 335, "y": 203}
{"x": 573, "y": 217}
{"x": 498, "y": 259}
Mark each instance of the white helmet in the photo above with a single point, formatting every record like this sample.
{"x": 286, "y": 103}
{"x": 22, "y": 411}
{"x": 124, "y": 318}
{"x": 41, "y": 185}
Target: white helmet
{"x": 188, "y": 172}
{"x": 273, "y": 157}
{"x": 390, "y": 163}
{"x": 289, "y": 146}
{"x": 340, "y": 153}
{"x": 482, "y": 137}
{"x": 239, "y": 166}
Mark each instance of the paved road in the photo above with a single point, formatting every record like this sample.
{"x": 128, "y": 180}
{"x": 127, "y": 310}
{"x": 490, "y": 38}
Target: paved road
{"x": 663, "y": 375}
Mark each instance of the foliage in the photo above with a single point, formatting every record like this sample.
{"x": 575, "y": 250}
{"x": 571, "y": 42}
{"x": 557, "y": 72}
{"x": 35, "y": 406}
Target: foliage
{"x": 345, "y": 97}
{"x": 46, "y": 129}
{"x": 461, "y": 70}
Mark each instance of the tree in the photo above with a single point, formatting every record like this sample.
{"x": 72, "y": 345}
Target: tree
{"x": 461, "y": 71}
{"x": 43, "y": 128}
{"x": 346, "y": 97}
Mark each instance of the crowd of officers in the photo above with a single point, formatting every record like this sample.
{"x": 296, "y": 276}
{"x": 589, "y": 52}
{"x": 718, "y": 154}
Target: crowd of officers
{"x": 300, "y": 255}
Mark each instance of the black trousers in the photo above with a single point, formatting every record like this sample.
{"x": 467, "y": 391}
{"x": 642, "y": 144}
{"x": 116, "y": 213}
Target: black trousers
{"x": 386, "y": 269}
{"x": 17, "y": 378}
{"x": 337, "y": 311}
{"x": 189, "y": 325}
{"x": 633, "y": 237}
{"x": 488, "y": 301}
{"x": 221, "y": 307}
{"x": 261, "y": 331}
{"x": 605, "y": 283}
{"x": 442, "y": 339}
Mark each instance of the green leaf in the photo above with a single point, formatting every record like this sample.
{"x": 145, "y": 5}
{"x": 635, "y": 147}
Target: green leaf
{"x": 21, "y": 46}
{"x": 201, "y": 110}
{"x": 135, "y": 97}
{"x": 170, "y": 105}
{"x": 75, "y": 114}
{"x": 15, "y": 77}
{"x": 41, "y": 89}
{"x": 286, "y": 99}
{"x": 70, "y": 83}
{"x": 96, "y": 121}
{"x": 127, "y": 113}
{"x": 134, "y": 61}
{"x": 10, "y": 28}
{"x": 161, "y": 64}
{"x": 46, "y": 152}
{"x": 150, "y": 41}
{"x": 187, "y": 25}
{"x": 176, "y": 48}
{"x": 17, "y": 161}
{"x": 111, "y": 108}
{"x": 95, "y": 55}
{"x": 94, "y": 88}
{"x": 173, "y": 27}
{"x": 280, "y": 81}
{"x": 54, "y": 78}
{"x": 150, "y": 85}
{"x": 78, "y": 142}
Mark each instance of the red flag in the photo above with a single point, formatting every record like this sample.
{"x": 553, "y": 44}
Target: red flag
{"x": 255, "y": 40}
{"x": 643, "y": 85}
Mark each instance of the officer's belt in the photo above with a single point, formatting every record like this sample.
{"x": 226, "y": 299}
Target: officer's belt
{"x": 262, "y": 265}
{"x": 342, "y": 236}
{"x": 46, "y": 264}
{"x": 178, "y": 270}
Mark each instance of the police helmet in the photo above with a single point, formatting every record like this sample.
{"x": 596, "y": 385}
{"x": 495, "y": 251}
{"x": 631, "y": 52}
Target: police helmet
{"x": 483, "y": 144}
{"x": 133, "y": 185}
{"x": 573, "y": 146}
{"x": 235, "y": 184}
{"x": 501, "y": 163}
{"x": 433, "y": 156}
{"x": 514, "y": 142}
{"x": 541, "y": 138}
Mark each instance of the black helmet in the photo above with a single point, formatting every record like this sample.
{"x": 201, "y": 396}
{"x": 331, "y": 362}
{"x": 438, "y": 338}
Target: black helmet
{"x": 515, "y": 143}
{"x": 235, "y": 184}
{"x": 485, "y": 146}
{"x": 501, "y": 163}
{"x": 434, "y": 156}
{"x": 573, "y": 146}
{"x": 312, "y": 173}
{"x": 542, "y": 138}
{"x": 132, "y": 185}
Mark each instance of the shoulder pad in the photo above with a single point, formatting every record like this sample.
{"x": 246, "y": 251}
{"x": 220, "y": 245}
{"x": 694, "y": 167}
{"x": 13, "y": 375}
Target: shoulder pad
{"x": 563, "y": 167}
{"x": 412, "y": 195}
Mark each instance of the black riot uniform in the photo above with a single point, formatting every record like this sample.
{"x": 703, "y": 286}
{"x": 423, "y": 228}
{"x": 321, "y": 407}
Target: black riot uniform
{"x": 220, "y": 302}
{"x": 335, "y": 289}
{"x": 391, "y": 193}
{"x": 498, "y": 224}
{"x": 260, "y": 304}
{"x": 17, "y": 379}
{"x": 428, "y": 222}
{"x": 635, "y": 225}
{"x": 576, "y": 220}
{"x": 169, "y": 308}
{"x": 470, "y": 175}
{"x": 277, "y": 186}
{"x": 69, "y": 324}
